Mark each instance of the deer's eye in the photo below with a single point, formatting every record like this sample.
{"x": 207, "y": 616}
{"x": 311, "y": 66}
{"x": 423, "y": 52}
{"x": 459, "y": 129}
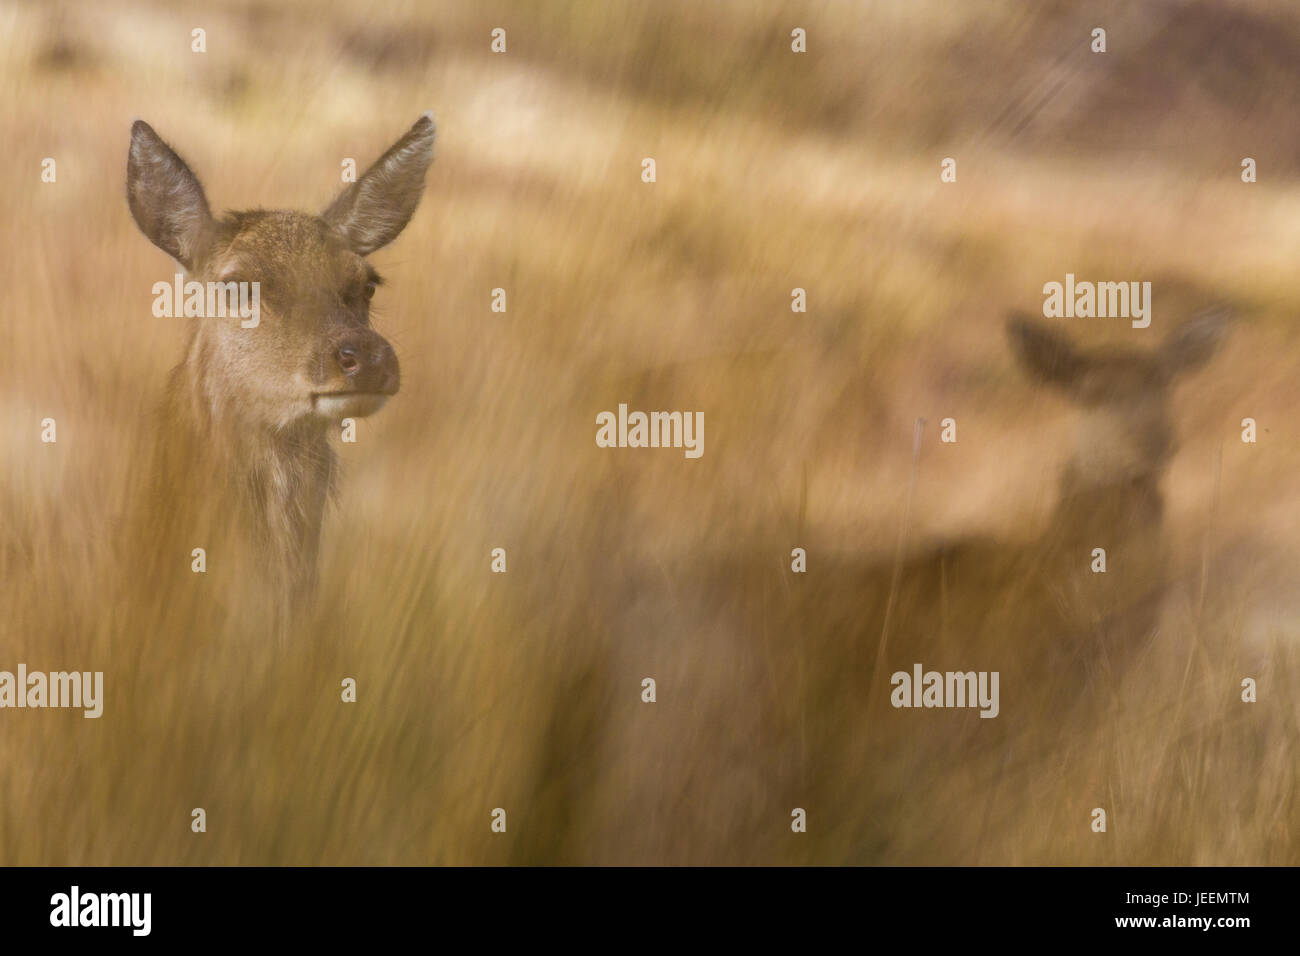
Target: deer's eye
{"x": 370, "y": 290}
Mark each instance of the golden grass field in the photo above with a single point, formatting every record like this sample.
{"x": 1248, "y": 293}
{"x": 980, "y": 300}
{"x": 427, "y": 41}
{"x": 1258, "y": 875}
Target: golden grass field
{"x": 775, "y": 171}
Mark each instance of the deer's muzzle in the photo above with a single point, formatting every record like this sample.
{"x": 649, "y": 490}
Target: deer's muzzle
{"x": 362, "y": 373}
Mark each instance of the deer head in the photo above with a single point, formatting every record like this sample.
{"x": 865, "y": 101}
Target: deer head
{"x": 1126, "y": 432}
{"x": 312, "y": 355}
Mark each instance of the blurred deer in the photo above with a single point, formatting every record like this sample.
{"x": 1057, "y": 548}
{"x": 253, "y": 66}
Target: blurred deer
{"x": 243, "y": 466}
{"x": 782, "y": 687}
{"x": 1110, "y": 507}
{"x": 1062, "y": 628}
{"x": 1066, "y": 609}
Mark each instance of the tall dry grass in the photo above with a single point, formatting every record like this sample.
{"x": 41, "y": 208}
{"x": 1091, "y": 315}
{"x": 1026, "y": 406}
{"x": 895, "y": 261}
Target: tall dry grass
{"x": 522, "y": 690}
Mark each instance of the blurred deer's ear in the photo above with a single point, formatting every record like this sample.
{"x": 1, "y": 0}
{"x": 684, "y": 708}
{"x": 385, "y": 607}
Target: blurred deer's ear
{"x": 1192, "y": 344}
{"x": 372, "y": 211}
{"x": 165, "y": 197}
{"x": 1047, "y": 354}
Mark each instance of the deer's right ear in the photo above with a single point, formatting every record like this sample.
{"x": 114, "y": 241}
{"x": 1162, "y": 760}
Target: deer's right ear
{"x": 1192, "y": 344}
{"x": 373, "y": 210}
{"x": 165, "y": 197}
{"x": 1047, "y": 354}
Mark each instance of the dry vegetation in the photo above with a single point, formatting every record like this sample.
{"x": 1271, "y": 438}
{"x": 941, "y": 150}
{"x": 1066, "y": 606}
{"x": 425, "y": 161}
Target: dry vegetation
{"x": 522, "y": 690}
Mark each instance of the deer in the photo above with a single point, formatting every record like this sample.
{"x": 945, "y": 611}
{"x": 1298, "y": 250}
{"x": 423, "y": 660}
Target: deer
{"x": 782, "y": 682}
{"x": 1098, "y": 566}
{"x": 242, "y": 465}
{"x": 1063, "y": 613}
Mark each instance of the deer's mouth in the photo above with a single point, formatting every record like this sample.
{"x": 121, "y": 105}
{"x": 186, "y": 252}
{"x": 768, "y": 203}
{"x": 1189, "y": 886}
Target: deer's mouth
{"x": 336, "y": 405}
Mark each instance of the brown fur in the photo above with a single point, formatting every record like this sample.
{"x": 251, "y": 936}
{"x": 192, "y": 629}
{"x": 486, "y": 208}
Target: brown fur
{"x": 789, "y": 692}
{"x": 243, "y": 466}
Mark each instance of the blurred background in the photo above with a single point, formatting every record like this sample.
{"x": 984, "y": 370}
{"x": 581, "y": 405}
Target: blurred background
{"x": 775, "y": 170}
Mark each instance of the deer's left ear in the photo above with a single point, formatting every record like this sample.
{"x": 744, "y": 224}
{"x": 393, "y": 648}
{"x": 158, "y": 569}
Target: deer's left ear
{"x": 372, "y": 211}
{"x": 165, "y": 197}
{"x": 1046, "y": 353}
{"x": 1191, "y": 345}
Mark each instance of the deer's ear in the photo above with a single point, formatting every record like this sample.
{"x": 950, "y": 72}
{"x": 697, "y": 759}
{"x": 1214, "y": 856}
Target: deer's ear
{"x": 1192, "y": 344}
{"x": 373, "y": 210}
{"x": 165, "y": 197}
{"x": 1047, "y": 354}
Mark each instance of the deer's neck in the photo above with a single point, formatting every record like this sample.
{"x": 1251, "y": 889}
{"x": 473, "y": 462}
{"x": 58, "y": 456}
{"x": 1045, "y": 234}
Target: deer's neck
{"x": 1107, "y": 556}
{"x": 1128, "y": 506}
{"x": 263, "y": 488}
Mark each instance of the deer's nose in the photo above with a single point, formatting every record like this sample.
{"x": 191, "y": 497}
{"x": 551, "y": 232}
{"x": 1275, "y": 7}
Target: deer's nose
{"x": 369, "y": 364}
